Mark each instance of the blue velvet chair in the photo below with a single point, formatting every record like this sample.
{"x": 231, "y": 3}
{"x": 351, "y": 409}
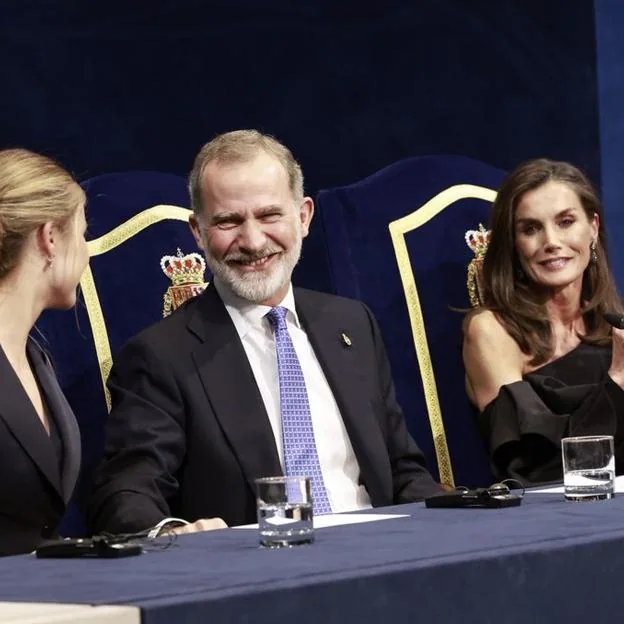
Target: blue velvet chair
{"x": 396, "y": 241}
{"x": 134, "y": 219}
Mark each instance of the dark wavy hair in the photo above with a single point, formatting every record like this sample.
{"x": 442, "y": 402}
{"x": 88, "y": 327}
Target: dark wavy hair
{"x": 514, "y": 299}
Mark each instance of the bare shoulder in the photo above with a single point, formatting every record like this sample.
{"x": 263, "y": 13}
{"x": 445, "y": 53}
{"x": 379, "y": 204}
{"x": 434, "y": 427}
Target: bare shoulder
{"x": 492, "y": 358}
{"x": 482, "y": 328}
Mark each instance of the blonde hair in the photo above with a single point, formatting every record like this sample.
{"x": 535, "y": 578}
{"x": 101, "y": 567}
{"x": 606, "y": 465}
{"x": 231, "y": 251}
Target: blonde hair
{"x": 33, "y": 190}
{"x": 241, "y": 146}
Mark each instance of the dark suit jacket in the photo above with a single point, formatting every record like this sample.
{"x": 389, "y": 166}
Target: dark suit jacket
{"x": 189, "y": 433}
{"x": 34, "y": 488}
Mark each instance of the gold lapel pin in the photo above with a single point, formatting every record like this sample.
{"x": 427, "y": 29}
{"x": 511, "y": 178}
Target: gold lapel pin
{"x": 346, "y": 340}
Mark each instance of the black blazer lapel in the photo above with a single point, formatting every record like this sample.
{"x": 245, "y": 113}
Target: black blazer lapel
{"x": 341, "y": 363}
{"x": 231, "y": 388}
{"x": 19, "y": 414}
{"x": 63, "y": 417}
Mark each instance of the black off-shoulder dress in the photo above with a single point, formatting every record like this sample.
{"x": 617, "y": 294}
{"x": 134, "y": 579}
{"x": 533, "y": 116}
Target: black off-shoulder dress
{"x": 570, "y": 396}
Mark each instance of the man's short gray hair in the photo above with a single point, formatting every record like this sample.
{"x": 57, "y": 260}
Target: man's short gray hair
{"x": 241, "y": 146}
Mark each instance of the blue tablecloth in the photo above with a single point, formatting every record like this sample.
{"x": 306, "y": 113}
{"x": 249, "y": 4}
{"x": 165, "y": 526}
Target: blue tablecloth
{"x": 548, "y": 560}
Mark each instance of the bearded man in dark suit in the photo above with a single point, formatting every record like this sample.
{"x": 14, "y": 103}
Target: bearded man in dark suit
{"x": 197, "y": 413}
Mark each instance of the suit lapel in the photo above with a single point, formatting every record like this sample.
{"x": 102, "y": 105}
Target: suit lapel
{"x": 64, "y": 418}
{"x": 232, "y": 391}
{"x": 19, "y": 414}
{"x": 341, "y": 363}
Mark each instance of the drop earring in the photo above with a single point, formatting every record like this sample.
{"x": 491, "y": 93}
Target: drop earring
{"x": 593, "y": 253}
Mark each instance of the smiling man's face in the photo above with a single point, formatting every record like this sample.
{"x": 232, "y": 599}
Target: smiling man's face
{"x": 251, "y": 227}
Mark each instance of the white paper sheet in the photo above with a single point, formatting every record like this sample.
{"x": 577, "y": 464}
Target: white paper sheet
{"x": 329, "y": 520}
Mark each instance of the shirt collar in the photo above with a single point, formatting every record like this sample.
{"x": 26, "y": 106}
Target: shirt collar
{"x": 245, "y": 314}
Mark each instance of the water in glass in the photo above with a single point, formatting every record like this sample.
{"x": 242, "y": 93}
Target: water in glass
{"x": 589, "y": 484}
{"x": 285, "y": 524}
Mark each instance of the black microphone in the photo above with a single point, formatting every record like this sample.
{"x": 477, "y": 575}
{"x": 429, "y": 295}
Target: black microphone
{"x": 615, "y": 320}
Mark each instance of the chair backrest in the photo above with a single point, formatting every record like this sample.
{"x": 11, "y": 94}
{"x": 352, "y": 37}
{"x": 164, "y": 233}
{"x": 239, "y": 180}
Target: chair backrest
{"x": 134, "y": 220}
{"x": 396, "y": 241}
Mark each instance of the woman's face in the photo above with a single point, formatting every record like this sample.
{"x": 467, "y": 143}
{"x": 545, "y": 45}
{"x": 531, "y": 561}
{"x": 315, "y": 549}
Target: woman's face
{"x": 553, "y": 235}
{"x": 69, "y": 262}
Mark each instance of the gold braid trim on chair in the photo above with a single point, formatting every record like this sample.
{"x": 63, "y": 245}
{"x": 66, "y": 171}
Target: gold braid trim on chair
{"x": 398, "y": 230}
{"x": 103, "y": 244}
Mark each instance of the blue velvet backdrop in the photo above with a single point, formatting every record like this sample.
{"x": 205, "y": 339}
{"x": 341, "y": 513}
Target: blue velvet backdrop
{"x": 351, "y": 86}
{"x": 610, "y": 56}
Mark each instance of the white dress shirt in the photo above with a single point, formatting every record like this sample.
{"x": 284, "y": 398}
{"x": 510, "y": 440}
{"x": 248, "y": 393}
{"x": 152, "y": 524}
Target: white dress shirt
{"x": 339, "y": 465}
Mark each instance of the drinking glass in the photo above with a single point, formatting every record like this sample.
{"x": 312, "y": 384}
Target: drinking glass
{"x": 588, "y": 467}
{"x": 284, "y": 511}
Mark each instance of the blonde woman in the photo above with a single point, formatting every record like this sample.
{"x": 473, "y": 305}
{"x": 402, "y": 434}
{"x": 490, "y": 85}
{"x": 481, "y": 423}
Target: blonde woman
{"x": 42, "y": 256}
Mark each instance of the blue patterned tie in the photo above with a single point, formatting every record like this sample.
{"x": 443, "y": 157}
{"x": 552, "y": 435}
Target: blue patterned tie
{"x": 300, "y": 457}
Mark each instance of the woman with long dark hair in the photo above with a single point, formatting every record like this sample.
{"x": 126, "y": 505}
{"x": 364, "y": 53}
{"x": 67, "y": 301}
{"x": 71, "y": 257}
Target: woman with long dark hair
{"x": 541, "y": 361}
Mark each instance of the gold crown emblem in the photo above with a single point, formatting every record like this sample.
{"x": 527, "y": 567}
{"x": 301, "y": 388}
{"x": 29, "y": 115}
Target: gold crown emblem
{"x": 184, "y": 269}
{"x": 478, "y": 241}
{"x": 186, "y": 273}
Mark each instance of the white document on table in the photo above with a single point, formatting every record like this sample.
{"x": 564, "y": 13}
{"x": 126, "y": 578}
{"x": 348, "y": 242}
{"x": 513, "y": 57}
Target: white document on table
{"x": 558, "y": 489}
{"x": 329, "y": 520}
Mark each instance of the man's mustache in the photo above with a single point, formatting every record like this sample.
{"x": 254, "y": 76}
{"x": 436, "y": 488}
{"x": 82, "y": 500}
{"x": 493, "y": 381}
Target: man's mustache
{"x": 250, "y": 257}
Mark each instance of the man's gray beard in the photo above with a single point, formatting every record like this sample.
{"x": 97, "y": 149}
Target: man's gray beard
{"x": 256, "y": 287}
